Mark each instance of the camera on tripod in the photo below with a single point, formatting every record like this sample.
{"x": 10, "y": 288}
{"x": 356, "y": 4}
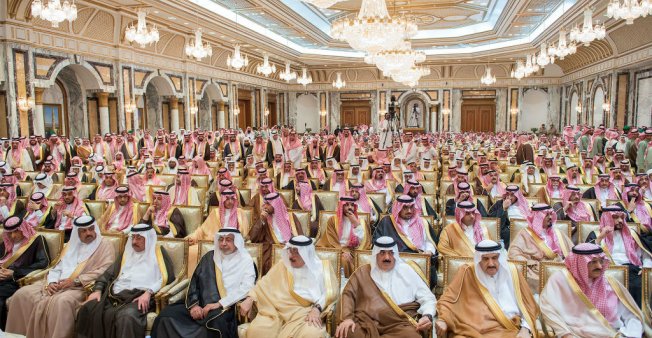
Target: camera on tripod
{"x": 392, "y": 108}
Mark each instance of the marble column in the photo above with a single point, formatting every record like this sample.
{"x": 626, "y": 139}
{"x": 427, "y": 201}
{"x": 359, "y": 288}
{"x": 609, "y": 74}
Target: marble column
{"x": 336, "y": 104}
{"x": 174, "y": 114}
{"x": 554, "y": 109}
{"x": 292, "y": 109}
{"x": 136, "y": 114}
{"x": 501, "y": 109}
{"x": 220, "y": 115}
{"x": 39, "y": 124}
{"x": 103, "y": 108}
{"x": 456, "y": 111}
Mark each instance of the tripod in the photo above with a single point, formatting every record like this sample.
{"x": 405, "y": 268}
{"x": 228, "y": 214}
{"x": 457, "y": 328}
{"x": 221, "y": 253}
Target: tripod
{"x": 391, "y": 123}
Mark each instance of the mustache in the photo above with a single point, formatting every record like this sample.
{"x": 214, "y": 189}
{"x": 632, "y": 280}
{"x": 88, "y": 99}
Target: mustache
{"x": 387, "y": 260}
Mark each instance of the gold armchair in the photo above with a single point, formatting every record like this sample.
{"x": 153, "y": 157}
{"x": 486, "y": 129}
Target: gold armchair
{"x": 54, "y": 240}
{"x": 379, "y": 199}
{"x": 429, "y": 187}
{"x": 421, "y": 262}
{"x": 304, "y": 220}
{"x": 201, "y": 180}
{"x": 329, "y": 199}
{"x": 96, "y": 208}
{"x": 288, "y": 197}
{"x": 647, "y": 293}
{"x": 516, "y": 225}
{"x": 246, "y": 195}
{"x": 25, "y": 187}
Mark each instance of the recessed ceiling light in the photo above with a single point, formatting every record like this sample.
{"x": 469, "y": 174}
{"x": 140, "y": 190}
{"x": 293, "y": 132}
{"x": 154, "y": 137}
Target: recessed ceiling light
{"x": 232, "y": 40}
{"x": 222, "y": 36}
{"x": 186, "y": 23}
{"x": 171, "y": 18}
{"x": 155, "y": 12}
{"x": 211, "y": 33}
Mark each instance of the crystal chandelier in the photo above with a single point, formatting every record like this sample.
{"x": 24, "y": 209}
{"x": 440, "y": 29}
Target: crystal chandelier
{"x": 265, "y": 68}
{"x": 54, "y": 11}
{"x": 606, "y": 106}
{"x": 236, "y": 111}
{"x": 197, "y": 49}
{"x": 25, "y": 104}
{"x": 287, "y": 74}
{"x": 338, "y": 83}
{"x": 396, "y": 60}
{"x": 588, "y": 32}
{"x": 410, "y": 77}
{"x": 235, "y": 60}
{"x": 488, "y": 79}
{"x": 373, "y": 29}
{"x": 266, "y": 112}
{"x": 545, "y": 58}
{"x": 322, "y": 3}
{"x": 531, "y": 66}
{"x": 519, "y": 70}
{"x": 305, "y": 79}
{"x": 141, "y": 34}
{"x": 629, "y": 10}
{"x": 563, "y": 49}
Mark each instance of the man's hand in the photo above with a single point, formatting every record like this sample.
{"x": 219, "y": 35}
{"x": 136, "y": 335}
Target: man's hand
{"x": 94, "y": 296}
{"x": 424, "y": 324}
{"x": 196, "y": 313}
{"x": 264, "y": 215}
{"x": 151, "y": 210}
{"x": 52, "y": 288}
{"x": 313, "y": 318}
{"x": 507, "y": 203}
{"x": 192, "y": 240}
{"x": 143, "y": 301}
{"x": 346, "y": 256}
{"x": 604, "y": 232}
{"x": 246, "y": 306}
{"x": 440, "y": 328}
{"x": 210, "y": 307}
{"x": 524, "y": 333}
{"x": 66, "y": 284}
{"x": 344, "y": 327}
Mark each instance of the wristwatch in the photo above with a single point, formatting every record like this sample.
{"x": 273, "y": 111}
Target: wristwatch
{"x": 317, "y": 306}
{"x": 77, "y": 282}
{"x": 429, "y": 317}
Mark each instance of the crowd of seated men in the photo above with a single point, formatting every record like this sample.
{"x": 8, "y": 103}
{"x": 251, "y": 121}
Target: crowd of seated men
{"x": 350, "y": 233}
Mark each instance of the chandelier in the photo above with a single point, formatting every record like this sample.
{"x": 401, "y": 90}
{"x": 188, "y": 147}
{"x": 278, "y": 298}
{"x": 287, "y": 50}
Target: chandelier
{"x": 141, "y": 34}
{"x": 305, "y": 79}
{"x": 628, "y": 10}
{"x": 266, "y": 111}
{"x": 588, "y": 32}
{"x": 606, "y": 106}
{"x": 236, "y": 111}
{"x": 54, "y": 11}
{"x": 519, "y": 70}
{"x": 488, "y": 79}
{"x": 410, "y": 77}
{"x": 531, "y": 66}
{"x": 545, "y": 56}
{"x": 563, "y": 49}
{"x": 373, "y": 29}
{"x": 197, "y": 49}
{"x": 338, "y": 83}
{"x": 265, "y": 68}
{"x": 26, "y": 103}
{"x": 322, "y": 3}
{"x": 396, "y": 60}
{"x": 235, "y": 60}
{"x": 287, "y": 74}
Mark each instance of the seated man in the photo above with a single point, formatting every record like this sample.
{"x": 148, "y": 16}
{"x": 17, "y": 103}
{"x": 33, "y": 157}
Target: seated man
{"x": 66, "y": 209}
{"x": 124, "y": 294}
{"x": 275, "y": 226}
{"x": 464, "y": 193}
{"x": 166, "y": 220}
{"x": 120, "y": 215}
{"x": 581, "y": 301}
{"x": 603, "y": 190}
{"x": 315, "y": 170}
{"x": 460, "y": 238}
{"x": 292, "y": 295}
{"x": 346, "y": 231}
{"x": 364, "y": 203}
{"x": 223, "y": 277}
{"x": 378, "y": 184}
{"x": 182, "y": 192}
{"x": 410, "y": 231}
{"x": 265, "y": 187}
{"x": 381, "y": 299}
{"x": 492, "y": 186}
{"x": 487, "y": 299}
{"x": 540, "y": 241}
{"x": 512, "y": 205}
{"x": 305, "y": 199}
{"x": 337, "y": 182}
{"x": 106, "y": 190}
{"x": 39, "y": 213}
{"x": 47, "y": 308}
{"x": 573, "y": 209}
{"x": 623, "y": 246}
{"x": 415, "y": 190}
{"x": 9, "y": 203}
{"x": 23, "y": 251}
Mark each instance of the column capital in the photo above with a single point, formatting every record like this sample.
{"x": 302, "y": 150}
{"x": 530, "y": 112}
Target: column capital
{"x": 174, "y": 102}
{"x": 103, "y": 99}
{"x": 38, "y": 95}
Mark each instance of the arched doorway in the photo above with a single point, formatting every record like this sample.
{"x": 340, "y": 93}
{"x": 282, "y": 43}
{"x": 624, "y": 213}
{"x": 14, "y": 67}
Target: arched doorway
{"x": 157, "y": 110}
{"x": 209, "y": 108}
{"x": 598, "y": 113}
{"x": 573, "y": 108}
{"x": 534, "y": 110}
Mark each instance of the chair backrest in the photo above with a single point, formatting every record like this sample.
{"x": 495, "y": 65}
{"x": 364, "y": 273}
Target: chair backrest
{"x": 192, "y": 216}
{"x": 328, "y": 199}
{"x": 431, "y": 199}
{"x": 168, "y": 179}
{"x": 304, "y": 220}
{"x": 54, "y": 239}
{"x": 363, "y": 257}
{"x": 177, "y": 250}
{"x": 429, "y": 187}
{"x": 492, "y": 224}
{"x": 430, "y": 175}
{"x": 535, "y": 189}
{"x": 237, "y": 180}
{"x": 201, "y": 180}
{"x": 330, "y": 254}
{"x": 25, "y": 187}
{"x": 534, "y": 200}
{"x": 288, "y": 197}
{"x": 118, "y": 240}
{"x": 443, "y": 186}
{"x": 86, "y": 190}
{"x": 584, "y": 187}
{"x": 510, "y": 169}
{"x": 647, "y": 290}
{"x": 379, "y": 199}
{"x": 585, "y": 228}
{"x": 96, "y": 208}
{"x": 255, "y": 251}
{"x": 452, "y": 265}
{"x": 548, "y": 268}
{"x": 246, "y": 195}
{"x": 325, "y": 215}
{"x": 516, "y": 225}
{"x": 142, "y": 208}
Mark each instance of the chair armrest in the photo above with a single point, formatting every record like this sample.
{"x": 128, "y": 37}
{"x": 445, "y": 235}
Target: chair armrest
{"x": 28, "y": 277}
{"x": 175, "y": 292}
{"x": 159, "y": 297}
{"x": 175, "y": 298}
{"x": 34, "y": 276}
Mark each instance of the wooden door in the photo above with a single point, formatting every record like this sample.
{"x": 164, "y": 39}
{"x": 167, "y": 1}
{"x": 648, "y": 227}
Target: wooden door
{"x": 4, "y": 121}
{"x": 272, "y": 120}
{"x": 93, "y": 117}
{"x": 182, "y": 116}
{"x": 244, "y": 118}
{"x": 478, "y": 116}
{"x": 113, "y": 114}
{"x": 214, "y": 110}
{"x": 355, "y": 113}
